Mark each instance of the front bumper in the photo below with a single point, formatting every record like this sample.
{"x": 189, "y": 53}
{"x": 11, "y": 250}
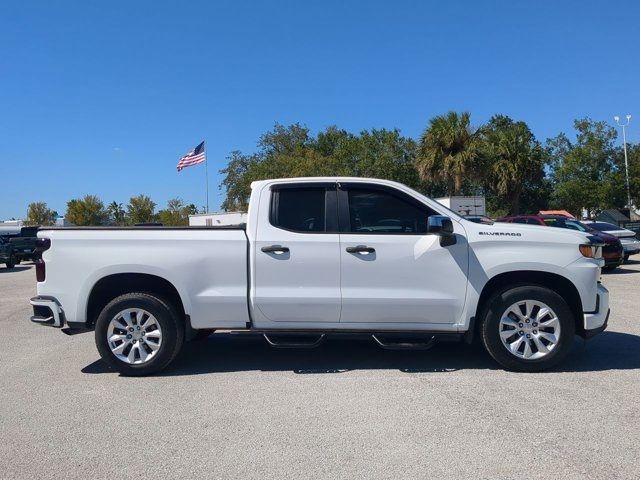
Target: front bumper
{"x": 631, "y": 247}
{"x": 596, "y": 321}
{"x": 47, "y": 311}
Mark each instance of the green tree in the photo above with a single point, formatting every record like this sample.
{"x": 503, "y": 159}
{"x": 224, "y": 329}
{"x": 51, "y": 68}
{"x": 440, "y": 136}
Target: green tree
{"x": 582, "y": 171}
{"x": 117, "y": 213}
{"x": 513, "y": 160}
{"x": 238, "y": 175}
{"x": 292, "y": 152}
{"x": 39, "y": 214}
{"x": 176, "y": 213}
{"x": 191, "y": 209}
{"x": 86, "y": 211}
{"x": 448, "y": 151}
{"x": 141, "y": 209}
{"x": 618, "y": 185}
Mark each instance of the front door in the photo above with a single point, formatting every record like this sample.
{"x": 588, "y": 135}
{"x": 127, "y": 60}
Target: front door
{"x": 391, "y": 271}
{"x": 297, "y": 256}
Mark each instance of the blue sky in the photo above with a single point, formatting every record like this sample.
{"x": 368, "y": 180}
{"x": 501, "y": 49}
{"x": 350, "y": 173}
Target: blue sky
{"x": 103, "y": 97}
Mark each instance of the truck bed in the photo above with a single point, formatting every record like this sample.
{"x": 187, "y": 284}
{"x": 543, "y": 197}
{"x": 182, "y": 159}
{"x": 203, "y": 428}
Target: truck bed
{"x": 241, "y": 226}
{"x": 206, "y": 265}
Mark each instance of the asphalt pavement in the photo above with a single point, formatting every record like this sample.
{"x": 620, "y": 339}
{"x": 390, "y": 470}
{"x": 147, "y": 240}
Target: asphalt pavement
{"x": 232, "y": 407}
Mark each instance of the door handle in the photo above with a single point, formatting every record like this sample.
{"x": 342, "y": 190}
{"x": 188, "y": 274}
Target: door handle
{"x": 361, "y": 249}
{"x": 277, "y": 249}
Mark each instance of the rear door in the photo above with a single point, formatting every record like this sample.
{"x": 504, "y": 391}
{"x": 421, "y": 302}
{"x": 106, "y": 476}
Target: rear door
{"x": 391, "y": 271}
{"x": 297, "y": 256}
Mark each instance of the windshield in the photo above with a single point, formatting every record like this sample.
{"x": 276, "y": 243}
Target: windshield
{"x": 566, "y": 223}
{"x": 603, "y": 226}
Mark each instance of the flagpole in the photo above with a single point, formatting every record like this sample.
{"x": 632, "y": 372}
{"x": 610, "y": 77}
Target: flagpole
{"x": 206, "y": 175}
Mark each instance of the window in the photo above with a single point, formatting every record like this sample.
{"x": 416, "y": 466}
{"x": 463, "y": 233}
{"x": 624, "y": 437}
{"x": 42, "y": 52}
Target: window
{"x": 604, "y": 227}
{"x": 299, "y": 209}
{"x": 379, "y": 211}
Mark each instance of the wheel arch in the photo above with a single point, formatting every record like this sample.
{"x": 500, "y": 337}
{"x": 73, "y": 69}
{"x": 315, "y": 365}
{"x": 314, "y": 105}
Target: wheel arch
{"x": 114, "y": 285}
{"x": 559, "y": 284}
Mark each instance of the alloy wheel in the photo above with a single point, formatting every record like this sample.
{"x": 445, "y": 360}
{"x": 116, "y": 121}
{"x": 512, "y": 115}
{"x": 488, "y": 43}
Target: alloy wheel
{"x": 529, "y": 329}
{"x": 134, "y": 336}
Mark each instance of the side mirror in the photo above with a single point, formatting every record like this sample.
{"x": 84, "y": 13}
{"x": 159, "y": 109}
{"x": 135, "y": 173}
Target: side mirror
{"x": 439, "y": 225}
{"x": 443, "y": 227}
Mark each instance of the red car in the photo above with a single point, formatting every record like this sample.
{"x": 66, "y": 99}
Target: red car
{"x": 612, "y": 251}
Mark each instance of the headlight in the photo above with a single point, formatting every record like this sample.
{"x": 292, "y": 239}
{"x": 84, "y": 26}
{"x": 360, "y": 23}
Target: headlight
{"x": 591, "y": 250}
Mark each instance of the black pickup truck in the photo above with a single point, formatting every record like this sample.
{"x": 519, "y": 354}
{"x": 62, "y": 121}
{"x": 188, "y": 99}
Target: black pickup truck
{"x": 23, "y": 243}
{"x": 6, "y": 253}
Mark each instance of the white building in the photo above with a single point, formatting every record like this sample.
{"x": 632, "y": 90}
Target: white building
{"x": 474, "y": 205}
{"x": 217, "y": 219}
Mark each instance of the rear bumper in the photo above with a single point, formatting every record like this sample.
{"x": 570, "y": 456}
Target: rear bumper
{"x": 47, "y": 311}
{"x": 596, "y": 321}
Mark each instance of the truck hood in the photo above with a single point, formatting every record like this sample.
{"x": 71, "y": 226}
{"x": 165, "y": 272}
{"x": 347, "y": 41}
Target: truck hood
{"x": 521, "y": 231}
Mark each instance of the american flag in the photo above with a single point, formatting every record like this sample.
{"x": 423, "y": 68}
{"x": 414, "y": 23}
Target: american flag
{"x": 194, "y": 157}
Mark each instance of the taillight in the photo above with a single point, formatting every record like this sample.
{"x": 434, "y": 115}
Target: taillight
{"x": 42, "y": 244}
{"x": 40, "y": 270}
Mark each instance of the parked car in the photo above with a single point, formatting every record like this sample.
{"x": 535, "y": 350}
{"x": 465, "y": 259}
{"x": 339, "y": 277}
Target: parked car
{"x": 6, "y": 253}
{"x": 612, "y": 251}
{"x": 325, "y": 256}
{"x": 630, "y": 242}
{"x": 479, "y": 219}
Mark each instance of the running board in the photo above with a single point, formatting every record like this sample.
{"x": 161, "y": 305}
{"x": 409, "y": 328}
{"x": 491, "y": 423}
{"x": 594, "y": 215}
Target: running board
{"x": 279, "y": 344}
{"x": 399, "y": 345}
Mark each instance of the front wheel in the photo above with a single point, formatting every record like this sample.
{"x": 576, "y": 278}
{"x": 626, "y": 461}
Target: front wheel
{"x": 139, "y": 334}
{"x": 11, "y": 262}
{"x": 528, "y": 328}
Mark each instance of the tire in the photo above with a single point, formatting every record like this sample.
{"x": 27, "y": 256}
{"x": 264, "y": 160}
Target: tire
{"x": 11, "y": 262}
{"x": 609, "y": 268}
{"x": 495, "y": 321}
{"x": 166, "y": 324}
{"x": 626, "y": 258}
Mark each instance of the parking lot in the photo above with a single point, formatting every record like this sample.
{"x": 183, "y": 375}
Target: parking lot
{"x": 235, "y": 408}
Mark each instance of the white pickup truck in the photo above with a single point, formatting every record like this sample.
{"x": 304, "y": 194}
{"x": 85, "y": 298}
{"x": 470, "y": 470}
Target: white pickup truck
{"x": 324, "y": 256}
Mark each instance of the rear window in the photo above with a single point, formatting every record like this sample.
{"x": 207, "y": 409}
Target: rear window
{"x": 29, "y": 231}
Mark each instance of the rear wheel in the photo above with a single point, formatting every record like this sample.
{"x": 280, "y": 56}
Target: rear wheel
{"x": 626, "y": 257}
{"x": 11, "y": 262}
{"x": 528, "y": 328}
{"x": 138, "y": 334}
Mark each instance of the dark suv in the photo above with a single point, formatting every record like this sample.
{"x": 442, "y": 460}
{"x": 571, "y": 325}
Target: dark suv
{"x": 612, "y": 251}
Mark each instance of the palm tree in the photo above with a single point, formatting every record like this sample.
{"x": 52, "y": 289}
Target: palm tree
{"x": 116, "y": 212}
{"x": 513, "y": 157}
{"x": 447, "y": 150}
